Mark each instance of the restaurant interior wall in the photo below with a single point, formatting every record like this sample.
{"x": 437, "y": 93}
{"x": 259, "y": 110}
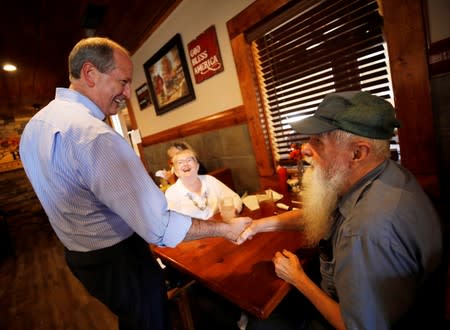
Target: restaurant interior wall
{"x": 224, "y": 147}
{"x": 187, "y": 119}
{"x": 216, "y": 94}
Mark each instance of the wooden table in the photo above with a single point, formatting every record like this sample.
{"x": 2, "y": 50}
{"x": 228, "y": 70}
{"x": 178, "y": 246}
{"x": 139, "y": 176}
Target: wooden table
{"x": 244, "y": 274}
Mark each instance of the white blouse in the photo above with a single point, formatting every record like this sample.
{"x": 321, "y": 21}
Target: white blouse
{"x": 202, "y": 206}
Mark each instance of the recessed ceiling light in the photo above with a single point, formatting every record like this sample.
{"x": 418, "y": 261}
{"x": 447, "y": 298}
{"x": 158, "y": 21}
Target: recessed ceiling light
{"x": 9, "y": 67}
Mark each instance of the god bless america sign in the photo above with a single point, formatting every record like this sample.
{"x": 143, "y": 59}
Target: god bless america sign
{"x": 205, "y": 56}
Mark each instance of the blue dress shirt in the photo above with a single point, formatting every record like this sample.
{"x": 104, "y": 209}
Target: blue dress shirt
{"x": 92, "y": 185}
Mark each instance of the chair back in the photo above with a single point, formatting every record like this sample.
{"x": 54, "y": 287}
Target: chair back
{"x": 224, "y": 175}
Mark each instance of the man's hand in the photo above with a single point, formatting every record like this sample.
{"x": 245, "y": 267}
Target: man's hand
{"x": 235, "y": 227}
{"x": 288, "y": 267}
{"x": 248, "y": 233}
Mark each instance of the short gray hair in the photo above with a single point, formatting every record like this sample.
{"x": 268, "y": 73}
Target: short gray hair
{"x": 99, "y": 51}
{"x": 380, "y": 148}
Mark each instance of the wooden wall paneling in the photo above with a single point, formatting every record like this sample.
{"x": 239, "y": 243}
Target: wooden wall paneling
{"x": 438, "y": 58}
{"x": 230, "y": 117}
{"x": 163, "y": 136}
{"x": 405, "y": 36}
{"x": 242, "y": 54}
{"x": 227, "y": 118}
{"x": 134, "y": 126}
{"x": 132, "y": 116}
{"x": 253, "y": 15}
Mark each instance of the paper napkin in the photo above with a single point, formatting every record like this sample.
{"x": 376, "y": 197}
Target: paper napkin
{"x": 251, "y": 202}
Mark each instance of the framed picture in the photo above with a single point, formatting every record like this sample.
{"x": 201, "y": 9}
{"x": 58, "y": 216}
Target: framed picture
{"x": 143, "y": 96}
{"x": 168, "y": 77}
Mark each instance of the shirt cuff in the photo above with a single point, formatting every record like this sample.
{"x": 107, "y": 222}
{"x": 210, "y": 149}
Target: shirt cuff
{"x": 176, "y": 230}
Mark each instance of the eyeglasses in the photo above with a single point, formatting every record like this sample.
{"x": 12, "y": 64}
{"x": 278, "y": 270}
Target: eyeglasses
{"x": 189, "y": 160}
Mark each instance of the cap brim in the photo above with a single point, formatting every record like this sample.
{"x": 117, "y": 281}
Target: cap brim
{"x": 312, "y": 126}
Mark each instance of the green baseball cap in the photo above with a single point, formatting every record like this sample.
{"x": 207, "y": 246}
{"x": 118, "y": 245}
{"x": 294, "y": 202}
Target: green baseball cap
{"x": 356, "y": 112}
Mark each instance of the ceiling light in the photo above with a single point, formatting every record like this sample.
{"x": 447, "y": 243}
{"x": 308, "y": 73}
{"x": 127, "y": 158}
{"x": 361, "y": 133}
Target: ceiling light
{"x": 9, "y": 67}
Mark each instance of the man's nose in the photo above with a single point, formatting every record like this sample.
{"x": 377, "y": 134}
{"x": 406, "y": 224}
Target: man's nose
{"x": 127, "y": 91}
{"x": 306, "y": 149}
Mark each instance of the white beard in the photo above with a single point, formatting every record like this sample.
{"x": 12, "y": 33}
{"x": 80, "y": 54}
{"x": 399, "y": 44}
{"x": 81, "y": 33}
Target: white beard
{"x": 320, "y": 195}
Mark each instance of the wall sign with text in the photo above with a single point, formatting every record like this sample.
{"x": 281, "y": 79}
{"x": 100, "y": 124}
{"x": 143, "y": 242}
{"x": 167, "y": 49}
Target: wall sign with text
{"x": 143, "y": 96}
{"x": 205, "y": 56}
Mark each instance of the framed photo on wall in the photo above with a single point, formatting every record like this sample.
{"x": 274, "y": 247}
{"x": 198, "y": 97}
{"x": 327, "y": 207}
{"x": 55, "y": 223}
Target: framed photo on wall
{"x": 168, "y": 77}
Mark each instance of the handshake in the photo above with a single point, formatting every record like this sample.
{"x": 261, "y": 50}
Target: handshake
{"x": 240, "y": 229}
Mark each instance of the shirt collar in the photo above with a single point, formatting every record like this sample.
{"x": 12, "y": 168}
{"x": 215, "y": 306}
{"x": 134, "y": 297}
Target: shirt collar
{"x": 71, "y": 95}
{"x": 349, "y": 200}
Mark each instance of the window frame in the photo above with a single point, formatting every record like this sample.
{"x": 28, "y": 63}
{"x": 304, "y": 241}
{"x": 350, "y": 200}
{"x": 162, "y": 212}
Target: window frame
{"x": 410, "y": 80}
{"x": 353, "y": 58}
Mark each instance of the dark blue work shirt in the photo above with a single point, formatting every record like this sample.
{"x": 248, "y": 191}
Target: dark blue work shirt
{"x": 386, "y": 240}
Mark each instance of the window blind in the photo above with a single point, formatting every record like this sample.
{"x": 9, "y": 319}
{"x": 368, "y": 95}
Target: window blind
{"x": 312, "y": 49}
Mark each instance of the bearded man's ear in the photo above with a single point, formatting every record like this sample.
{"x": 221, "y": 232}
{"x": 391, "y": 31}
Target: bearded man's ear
{"x": 361, "y": 151}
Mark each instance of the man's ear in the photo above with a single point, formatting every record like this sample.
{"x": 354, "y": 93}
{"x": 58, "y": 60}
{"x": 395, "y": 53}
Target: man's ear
{"x": 89, "y": 73}
{"x": 361, "y": 151}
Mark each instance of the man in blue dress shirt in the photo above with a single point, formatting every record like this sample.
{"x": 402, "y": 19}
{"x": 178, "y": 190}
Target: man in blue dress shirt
{"x": 99, "y": 199}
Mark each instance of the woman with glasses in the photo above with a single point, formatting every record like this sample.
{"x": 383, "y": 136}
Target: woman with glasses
{"x": 175, "y": 148}
{"x": 197, "y": 195}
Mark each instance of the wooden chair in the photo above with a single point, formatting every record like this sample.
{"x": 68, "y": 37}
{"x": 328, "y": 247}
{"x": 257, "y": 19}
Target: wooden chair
{"x": 180, "y": 296}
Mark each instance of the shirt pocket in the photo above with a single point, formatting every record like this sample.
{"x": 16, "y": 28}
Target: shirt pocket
{"x": 327, "y": 272}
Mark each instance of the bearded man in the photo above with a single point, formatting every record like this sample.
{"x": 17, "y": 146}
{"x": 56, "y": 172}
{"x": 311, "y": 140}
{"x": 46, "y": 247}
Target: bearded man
{"x": 379, "y": 236}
